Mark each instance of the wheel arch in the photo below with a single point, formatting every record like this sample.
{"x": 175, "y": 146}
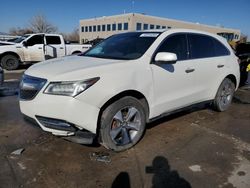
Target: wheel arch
{"x": 76, "y": 52}
{"x": 128, "y": 93}
{"x": 9, "y": 53}
{"x": 233, "y": 79}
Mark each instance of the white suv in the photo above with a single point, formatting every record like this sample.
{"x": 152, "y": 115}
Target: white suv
{"x": 112, "y": 91}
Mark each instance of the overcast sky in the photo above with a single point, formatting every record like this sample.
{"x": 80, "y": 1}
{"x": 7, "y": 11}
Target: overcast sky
{"x": 66, "y": 14}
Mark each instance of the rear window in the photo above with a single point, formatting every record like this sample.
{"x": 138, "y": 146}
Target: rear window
{"x": 202, "y": 46}
{"x": 53, "y": 40}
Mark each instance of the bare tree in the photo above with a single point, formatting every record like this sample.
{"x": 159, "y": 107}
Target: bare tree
{"x": 39, "y": 24}
{"x": 73, "y": 36}
{"x": 20, "y": 31}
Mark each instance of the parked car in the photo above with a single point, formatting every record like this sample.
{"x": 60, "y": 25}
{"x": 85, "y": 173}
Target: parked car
{"x": 114, "y": 89}
{"x": 33, "y": 48}
{"x": 1, "y": 76}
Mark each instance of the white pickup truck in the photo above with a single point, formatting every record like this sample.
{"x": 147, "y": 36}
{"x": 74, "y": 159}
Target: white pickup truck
{"x": 33, "y": 48}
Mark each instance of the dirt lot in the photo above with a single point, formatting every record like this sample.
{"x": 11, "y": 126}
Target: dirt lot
{"x": 198, "y": 148}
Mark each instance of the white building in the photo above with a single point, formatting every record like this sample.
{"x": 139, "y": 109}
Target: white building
{"x": 103, "y": 27}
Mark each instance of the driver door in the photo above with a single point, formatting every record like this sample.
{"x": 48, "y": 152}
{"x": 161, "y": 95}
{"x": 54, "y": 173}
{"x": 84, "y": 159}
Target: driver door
{"x": 34, "y": 49}
{"x": 173, "y": 83}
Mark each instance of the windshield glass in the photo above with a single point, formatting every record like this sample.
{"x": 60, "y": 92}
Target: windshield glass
{"x": 124, "y": 46}
{"x": 20, "y": 39}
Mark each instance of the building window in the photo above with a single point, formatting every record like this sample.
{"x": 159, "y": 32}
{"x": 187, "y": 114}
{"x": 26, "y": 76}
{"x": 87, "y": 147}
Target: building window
{"x": 90, "y": 28}
{"x": 169, "y": 27}
{"x": 145, "y": 26}
{"x": 163, "y": 27}
{"x": 113, "y": 27}
{"x": 82, "y": 28}
{"x": 94, "y": 28}
{"x": 138, "y": 26}
{"x": 152, "y": 26}
{"x": 125, "y": 26}
{"x": 86, "y": 28}
{"x": 119, "y": 26}
{"x": 158, "y": 27}
{"x": 98, "y": 28}
{"x": 103, "y": 27}
{"x": 108, "y": 27}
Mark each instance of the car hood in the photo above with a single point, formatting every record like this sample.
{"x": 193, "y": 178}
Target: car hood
{"x": 70, "y": 66}
{"x": 4, "y": 43}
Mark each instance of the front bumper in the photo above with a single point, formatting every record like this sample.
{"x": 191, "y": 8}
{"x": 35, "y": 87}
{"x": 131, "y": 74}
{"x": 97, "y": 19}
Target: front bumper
{"x": 79, "y": 136}
{"x": 68, "y": 109}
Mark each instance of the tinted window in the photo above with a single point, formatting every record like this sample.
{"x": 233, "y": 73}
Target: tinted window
{"x": 119, "y": 26}
{"x": 108, "y": 27}
{"x": 220, "y": 49}
{"x": 53, "y": 40}
{"x": 125, "y": 26}
{"x": 103, "y": 27}
{"x": 145, "y": 26}
{"x": 113, "y": 27}
{"x": 37, "y": 39}
{"x": 138, "y": 26}
{"x": 175, "y": 44}
{"x": 201, "y": 46}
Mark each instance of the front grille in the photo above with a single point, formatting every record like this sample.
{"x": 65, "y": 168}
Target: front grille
{"x": 30, "y": 86}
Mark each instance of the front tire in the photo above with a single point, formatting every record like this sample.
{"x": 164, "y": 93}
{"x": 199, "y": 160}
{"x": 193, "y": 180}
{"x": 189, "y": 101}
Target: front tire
{"x": 10, "y": 62}
{"x": 122, "y": 124}
{"x": 224, "y": 95}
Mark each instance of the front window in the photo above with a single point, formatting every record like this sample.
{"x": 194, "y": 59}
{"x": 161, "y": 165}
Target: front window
{"x": 126, "y": 46}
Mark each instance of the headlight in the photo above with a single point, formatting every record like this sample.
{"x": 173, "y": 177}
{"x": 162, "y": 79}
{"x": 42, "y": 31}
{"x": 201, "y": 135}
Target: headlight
{"x": 69, "y": 88}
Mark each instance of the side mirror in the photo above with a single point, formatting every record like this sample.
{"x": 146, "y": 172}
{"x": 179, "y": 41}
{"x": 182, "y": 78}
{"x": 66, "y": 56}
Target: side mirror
{"x": 166, "y": 57}
{"x": 25, "y": 44}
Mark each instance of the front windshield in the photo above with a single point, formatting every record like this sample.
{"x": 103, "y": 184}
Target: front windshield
{"x": 20, "y": 39}
{"x": 124, "y": 46}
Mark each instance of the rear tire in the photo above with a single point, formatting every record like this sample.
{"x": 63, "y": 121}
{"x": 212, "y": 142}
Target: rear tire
{"x": 224, "y": 95}
{"x": 10, "y": 62}
{"x": 122, "y": 124}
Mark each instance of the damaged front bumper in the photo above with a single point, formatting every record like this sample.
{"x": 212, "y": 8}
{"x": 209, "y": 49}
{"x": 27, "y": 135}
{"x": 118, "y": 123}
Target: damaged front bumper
{"x": 64, "y": 129}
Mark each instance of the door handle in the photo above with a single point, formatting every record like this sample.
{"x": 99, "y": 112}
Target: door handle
{"x": 189, "y": 70}
{"x": 40, "y": 48}
{"x": 61, "y": 48}
{"x": 220, "y": 66}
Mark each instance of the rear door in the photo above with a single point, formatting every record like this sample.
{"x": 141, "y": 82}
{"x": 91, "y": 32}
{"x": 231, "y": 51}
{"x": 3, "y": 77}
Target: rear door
{"x": 173, "y": 83}
{"x": 54, "y": 47}
{"x": 209, "y": 58}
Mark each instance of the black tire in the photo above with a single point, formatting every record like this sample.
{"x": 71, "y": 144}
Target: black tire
{"x": 125, "y": 120}
{"x": 224, "y": 95}
{"x": 10, "y": 62}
